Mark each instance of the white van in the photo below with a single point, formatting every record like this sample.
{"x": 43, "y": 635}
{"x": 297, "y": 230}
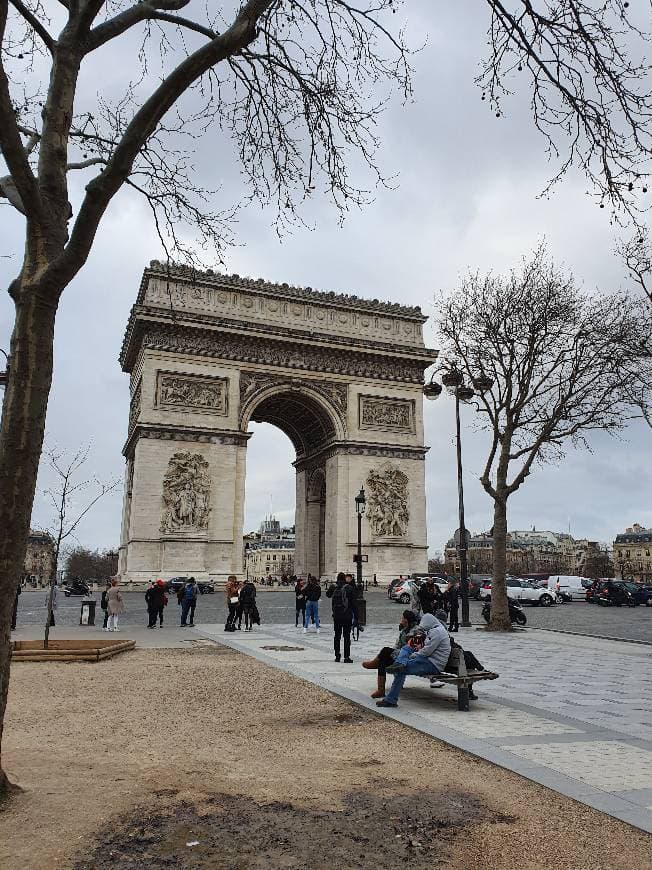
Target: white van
{"x": 573, "y": 586}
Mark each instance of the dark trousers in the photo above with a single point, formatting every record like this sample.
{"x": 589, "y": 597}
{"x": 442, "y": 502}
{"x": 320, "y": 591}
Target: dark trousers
{"x": 52, "y": 618}
{"x": 193, "y": 604}
{"x": 301, "y": 609}
{"x": 248, "y": 617}
{"x": 454, "y": 619}
{"x": 106, "y": 618}
{"x": 233, "y": 614}
{"x": 342, "y": 627}
{"x": 385, "y": 659}
{"x": 14, "y": 612}
{"x": 152, "y": 613}
{"x": 159, "y": 613}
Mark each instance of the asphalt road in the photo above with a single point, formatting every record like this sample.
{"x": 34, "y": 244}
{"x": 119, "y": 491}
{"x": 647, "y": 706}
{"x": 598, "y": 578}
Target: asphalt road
{"x": 278, "y": 607}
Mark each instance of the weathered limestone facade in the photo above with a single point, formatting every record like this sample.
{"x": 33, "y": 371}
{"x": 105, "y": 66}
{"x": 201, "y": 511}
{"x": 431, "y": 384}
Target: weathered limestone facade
{"x": 341, "y": 376}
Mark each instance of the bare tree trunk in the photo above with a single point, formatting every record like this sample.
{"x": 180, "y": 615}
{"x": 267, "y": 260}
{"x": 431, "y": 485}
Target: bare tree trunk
{"x": 21, "y": 439}
{"x": 499, "y": 608}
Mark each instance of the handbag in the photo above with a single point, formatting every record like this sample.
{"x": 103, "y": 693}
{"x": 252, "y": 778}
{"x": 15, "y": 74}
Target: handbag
{"x": 234, "y": 599}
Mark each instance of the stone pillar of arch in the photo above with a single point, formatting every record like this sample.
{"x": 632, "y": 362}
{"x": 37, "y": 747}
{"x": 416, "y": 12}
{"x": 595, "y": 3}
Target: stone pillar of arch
{"x": 340, "y": 376}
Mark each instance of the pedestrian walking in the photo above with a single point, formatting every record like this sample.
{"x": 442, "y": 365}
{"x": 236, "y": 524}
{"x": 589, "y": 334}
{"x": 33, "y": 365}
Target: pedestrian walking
{"x": 156, "y": 599}
{"x": 232, "y": 602}
{"x": 115, "y": 606}
{"x": 188, "y": 602}
{"x": 342, "y": 606}
{"x": 104, "y": 604}
{"x": 14, "y": 611}
{"x": 313, "y": 594}
{"x": 300, "y": 602}
{"x": 453, "y": 600}
{"x": 248, "y": 603}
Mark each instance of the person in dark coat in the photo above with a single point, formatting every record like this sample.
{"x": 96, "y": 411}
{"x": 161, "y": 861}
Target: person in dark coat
{"x": 300, "y": 602}
{"x": 14, "y": 612}
{"x": 155, "y": 597}
{"x": 341, "y": 597}
{"x": 248, "y": 603}
{"x": 312, "y": 591}
{"x": 453, "y": 601}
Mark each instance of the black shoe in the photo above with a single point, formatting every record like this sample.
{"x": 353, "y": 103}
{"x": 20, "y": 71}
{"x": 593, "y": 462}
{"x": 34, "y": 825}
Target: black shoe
{"x": 385, "y": 703}
{"x": 348, "y": 661}
{"x": 472, "y": 695}
{"x": 192, "y": 623}
{"x": 338, "y": 658}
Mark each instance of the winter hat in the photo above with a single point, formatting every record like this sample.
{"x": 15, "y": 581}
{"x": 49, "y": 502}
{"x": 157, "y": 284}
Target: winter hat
{"x": 442, "y": 616}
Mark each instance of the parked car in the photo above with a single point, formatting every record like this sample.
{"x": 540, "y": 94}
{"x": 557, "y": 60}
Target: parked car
{"x": 403, "y": 593}
{"x": 594, "y": 590}
{"x": 615, "y": 593}
{"x": 641, "y": 593}
{"x": 485, "y": 590}
{"x": 206, "y": 587}
{"x": 176, "y": 584}
{"x": 76, "y": 587}
{"x": 398, "y": 581}
{"x": 569, "y": 587}
{"x": 522, "y": 591}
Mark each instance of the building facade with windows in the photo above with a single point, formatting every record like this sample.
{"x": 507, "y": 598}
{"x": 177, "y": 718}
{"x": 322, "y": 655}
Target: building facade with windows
{"x": 39, "y": 558}
{"x": 269, "y": 551}
{"x": 632, "y": 554}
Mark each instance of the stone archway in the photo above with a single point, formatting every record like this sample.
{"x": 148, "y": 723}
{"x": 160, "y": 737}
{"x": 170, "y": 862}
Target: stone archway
{"x": 341, "y": 376}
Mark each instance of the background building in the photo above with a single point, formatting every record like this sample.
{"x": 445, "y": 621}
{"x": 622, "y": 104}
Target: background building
{"x": 632, "y": 551}
{"x": 269, "y": 551}
{"x": 39, "y": 559}
{"x": 535, "y": 552}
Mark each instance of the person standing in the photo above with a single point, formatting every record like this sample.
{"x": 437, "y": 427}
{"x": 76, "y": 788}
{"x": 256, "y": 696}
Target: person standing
{"x": 232, "y": 601}
{"x": 164, "y": 602}
{"x": 193, "y": 603}
{"x": 154, "y": 600}
{"x": 300, "y": 602}
{"x": 248, "y": 603}
{"x": 115, "y": 606}
{"x": 188, "y": 599}
{"x": 14, "y": 612}
{"x": 313, "y": 594}
{"x": 103, "y": 603}
{"x": 453, "y": 600}
{"x": 342, "y": 605}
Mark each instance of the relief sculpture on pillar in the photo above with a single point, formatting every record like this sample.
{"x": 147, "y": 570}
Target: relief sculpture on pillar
{"x": 388, "y": 511}
{"x": 186, "y": 494}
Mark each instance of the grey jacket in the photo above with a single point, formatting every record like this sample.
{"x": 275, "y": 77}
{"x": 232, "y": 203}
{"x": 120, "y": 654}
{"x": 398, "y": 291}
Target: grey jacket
{"x": 437, "y": 646}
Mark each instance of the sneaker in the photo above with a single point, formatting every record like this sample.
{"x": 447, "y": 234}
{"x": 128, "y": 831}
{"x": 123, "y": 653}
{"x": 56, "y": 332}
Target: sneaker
{"x": 385, "y": 703}
{"x": 348, "y": 661}
{"x": 305, "y": 631}
{"x": 192, "y": 624}
{"x": 116, "y": 629}
{"x": 436, "y": 684}
{"x": 318, "y": 631}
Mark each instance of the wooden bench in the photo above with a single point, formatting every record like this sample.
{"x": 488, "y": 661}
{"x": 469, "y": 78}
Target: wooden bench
{"x": 463, "y": 679}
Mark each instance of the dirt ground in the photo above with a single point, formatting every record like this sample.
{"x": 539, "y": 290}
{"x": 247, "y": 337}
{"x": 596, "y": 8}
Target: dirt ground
{"x": 125, "y": 763}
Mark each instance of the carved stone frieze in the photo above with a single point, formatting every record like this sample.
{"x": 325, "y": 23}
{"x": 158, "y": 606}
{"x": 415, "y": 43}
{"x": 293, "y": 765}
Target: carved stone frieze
{"x": 352, "y": 448}
{"x": 248, "y": 349}
{"x": 252, "y": 383}
{"x": 387, "y": 415}
{"x": 388, "y": 509}
{"x": 186, "y": 494}
{"x": 191, "y": 392}
{"x": 183, "y": 434}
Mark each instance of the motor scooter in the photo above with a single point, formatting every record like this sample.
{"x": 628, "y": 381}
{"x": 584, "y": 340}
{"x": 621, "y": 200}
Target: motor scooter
{"x": 516, "y": 612}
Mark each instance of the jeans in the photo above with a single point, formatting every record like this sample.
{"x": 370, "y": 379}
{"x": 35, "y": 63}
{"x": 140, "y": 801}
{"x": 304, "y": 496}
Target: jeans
{"x": 185, "y": 607}
{"x": 312, "y": 610}
{"x": 417, "y": 666}
{"x": 342, "y": 627}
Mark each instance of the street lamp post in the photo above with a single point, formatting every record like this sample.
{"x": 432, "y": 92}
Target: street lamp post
{"x": 453, "y": 380}
{"x": 360, "y": 505}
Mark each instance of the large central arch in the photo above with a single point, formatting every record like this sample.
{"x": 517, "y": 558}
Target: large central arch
{"x": 340, "y": 376}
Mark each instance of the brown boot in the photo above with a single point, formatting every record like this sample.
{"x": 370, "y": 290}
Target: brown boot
{"x": 380, "y": 691}
{"x": 371, "y": 665}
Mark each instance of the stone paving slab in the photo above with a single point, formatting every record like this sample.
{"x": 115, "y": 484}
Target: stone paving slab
{"x": 569, "y": 712}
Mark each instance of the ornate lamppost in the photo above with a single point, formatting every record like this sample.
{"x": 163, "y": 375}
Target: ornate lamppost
{"x": 453, "y": 380}
{"x": 360, "y": 505}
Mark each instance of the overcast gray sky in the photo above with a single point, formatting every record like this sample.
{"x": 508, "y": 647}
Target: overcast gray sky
{"x": 466, "y": 196}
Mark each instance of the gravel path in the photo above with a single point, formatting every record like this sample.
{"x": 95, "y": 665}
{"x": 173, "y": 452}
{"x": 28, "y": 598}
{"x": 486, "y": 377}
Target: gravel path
{"x": 125, "y": 762}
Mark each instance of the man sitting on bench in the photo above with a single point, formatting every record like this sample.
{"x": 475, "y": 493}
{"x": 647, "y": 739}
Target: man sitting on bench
{"x": 430, "y": 659}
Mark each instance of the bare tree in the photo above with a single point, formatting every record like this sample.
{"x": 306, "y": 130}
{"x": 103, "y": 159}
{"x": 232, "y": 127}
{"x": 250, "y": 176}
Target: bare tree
{"x": 64, "y": 495}
{"x": 559, "y": 360}
{"x": 92, "y": 564}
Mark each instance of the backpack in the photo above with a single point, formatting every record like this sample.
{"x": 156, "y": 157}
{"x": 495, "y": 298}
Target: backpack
{"x": 341, "y": 602}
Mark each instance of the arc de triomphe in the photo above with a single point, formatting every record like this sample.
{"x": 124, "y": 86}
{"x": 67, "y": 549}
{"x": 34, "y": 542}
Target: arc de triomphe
{"x": 341, "y": 376}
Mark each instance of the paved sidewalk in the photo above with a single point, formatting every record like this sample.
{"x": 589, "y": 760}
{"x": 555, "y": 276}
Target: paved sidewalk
{"x": 571, "y": 713}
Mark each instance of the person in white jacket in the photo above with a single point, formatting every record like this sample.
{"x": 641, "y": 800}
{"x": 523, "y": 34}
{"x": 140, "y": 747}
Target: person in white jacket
{"x": 430, "y": 659}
